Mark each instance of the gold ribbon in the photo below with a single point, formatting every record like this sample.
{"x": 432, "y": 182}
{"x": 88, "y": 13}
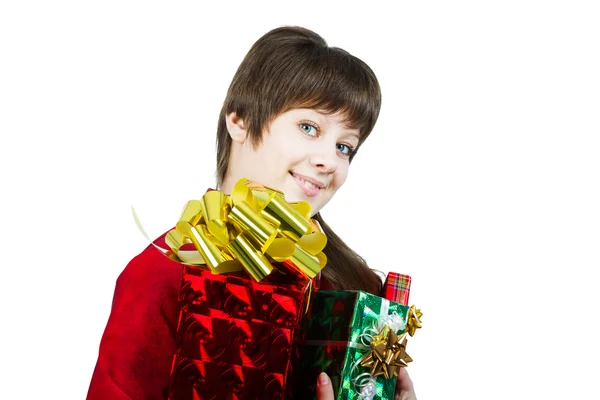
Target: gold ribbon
{"x": 414, "y": 320}
{"x": 249, "y": 229}
{"x": 387, "y": 354}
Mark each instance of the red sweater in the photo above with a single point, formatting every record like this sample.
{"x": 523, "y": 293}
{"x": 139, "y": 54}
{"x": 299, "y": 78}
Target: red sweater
{"x": 138, "y": 344}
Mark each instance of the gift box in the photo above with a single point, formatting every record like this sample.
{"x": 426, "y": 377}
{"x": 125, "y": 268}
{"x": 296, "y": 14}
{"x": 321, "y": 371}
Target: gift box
{"x": 340, "y": 330}
{"x": 396, "y": 287}
{"x": 235, "y": 335}
{"x": 251, "y": 266}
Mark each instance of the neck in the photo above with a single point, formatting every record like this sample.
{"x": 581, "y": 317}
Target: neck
{"x": 227, "y": 185}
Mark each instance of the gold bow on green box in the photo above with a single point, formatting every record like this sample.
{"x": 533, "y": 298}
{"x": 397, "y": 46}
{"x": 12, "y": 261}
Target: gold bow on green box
{"x": 387, "y": 354}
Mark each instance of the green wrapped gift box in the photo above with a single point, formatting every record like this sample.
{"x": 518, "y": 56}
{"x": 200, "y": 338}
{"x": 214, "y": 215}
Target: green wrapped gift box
{"x": 337, "y": 338}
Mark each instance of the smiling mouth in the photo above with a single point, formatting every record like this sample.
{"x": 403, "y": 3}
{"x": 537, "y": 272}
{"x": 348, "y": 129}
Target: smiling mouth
{"x": 309, "y": 188}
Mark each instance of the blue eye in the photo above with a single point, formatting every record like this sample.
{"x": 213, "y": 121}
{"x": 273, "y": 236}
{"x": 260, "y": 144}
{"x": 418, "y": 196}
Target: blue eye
{"x": 309, "y": 129}
{"x": 345, "y": 149}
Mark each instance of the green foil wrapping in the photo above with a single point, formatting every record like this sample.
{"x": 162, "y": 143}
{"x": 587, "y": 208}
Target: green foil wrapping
{"x": 332, "y": 343}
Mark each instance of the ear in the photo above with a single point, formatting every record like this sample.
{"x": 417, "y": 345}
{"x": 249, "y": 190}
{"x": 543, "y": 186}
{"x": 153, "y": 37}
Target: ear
{"x": 236, "y": 128}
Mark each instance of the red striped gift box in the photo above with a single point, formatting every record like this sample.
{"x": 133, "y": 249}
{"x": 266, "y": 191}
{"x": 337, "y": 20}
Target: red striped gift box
{"x": 397, "y": 288}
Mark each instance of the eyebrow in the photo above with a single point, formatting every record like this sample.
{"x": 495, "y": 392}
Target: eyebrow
{"x": 356, "y": 135}
{"x": 351, "y": 132}
{"x": 326, "y": 114}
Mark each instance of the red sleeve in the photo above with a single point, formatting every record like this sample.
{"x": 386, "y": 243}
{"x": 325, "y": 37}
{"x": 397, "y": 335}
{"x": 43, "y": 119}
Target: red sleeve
{"x": 137, "y": 347}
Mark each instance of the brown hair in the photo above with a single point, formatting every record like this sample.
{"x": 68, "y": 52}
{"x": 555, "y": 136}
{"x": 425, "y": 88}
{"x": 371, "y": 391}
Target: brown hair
{"x": 293, "y": 67}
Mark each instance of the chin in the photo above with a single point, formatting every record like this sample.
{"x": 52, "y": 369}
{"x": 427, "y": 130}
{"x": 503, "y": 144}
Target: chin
{"x": 292, "y": 198}
{"x": 315, "y": 208}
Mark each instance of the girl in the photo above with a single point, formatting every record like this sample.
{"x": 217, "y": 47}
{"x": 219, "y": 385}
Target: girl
{"x": 294, "y": 117}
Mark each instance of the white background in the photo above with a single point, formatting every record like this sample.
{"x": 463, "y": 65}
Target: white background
{"x": 481, "y": 178}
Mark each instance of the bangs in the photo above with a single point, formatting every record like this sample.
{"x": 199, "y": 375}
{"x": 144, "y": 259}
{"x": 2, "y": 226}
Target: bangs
{"x": 332, "y": 81}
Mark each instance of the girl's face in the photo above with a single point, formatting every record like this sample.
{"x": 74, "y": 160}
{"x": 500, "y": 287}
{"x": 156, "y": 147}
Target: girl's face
{"x": 304, "y": 153}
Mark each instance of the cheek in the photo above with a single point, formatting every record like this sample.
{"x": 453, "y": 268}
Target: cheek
{"x": 341, "y": 175}
{"x": 289, "y": 152}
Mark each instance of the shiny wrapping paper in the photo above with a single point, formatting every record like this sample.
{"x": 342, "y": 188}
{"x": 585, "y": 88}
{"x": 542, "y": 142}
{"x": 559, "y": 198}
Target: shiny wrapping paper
{"x": 235, "y": 335}
{"x": 396, "y": 288}
{"x": 337, "y": 320}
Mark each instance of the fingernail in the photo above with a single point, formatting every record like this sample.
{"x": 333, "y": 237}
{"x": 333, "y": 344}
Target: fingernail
{"x": 323, "y": 379}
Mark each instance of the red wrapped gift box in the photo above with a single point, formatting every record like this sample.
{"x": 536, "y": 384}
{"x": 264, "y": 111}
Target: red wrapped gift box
{"x": 397, "y": 288}
{"x": 235, "y": 336}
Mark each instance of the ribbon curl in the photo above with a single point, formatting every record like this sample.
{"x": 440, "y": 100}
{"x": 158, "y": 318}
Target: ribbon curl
{"x": 249, "y": 229}
{"x": 367, "y": 385}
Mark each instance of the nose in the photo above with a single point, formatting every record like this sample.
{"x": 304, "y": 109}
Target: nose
{"x": 325, "y": 160}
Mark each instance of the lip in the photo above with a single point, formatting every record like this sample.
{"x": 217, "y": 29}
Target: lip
{"x": 309, "y": 191}
{"x": 315, "y": 182}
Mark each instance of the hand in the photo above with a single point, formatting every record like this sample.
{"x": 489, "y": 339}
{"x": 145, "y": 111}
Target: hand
{"x": 404, "y": 387}
{"x": 324, "y": 387}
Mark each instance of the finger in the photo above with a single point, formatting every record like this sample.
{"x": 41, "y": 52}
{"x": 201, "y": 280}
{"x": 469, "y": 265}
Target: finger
{"x": 404, "y": 383}
{"x": 324, "y": 387}
{"x": 404, "y": 386}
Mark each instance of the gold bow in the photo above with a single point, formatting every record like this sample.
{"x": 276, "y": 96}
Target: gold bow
{"x": 414, "y": 320}
{"x": 249, "y": 229}
{"x": 387, "y": 354}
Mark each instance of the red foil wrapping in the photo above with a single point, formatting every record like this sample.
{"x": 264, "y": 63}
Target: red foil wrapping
{"x": 235, "y": 335}
{"x": 397, "y": 288}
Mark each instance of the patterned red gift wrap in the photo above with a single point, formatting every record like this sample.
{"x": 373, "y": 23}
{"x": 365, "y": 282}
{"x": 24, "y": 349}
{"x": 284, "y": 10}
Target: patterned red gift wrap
{"x": 397, "y": 288}
{"x": 235, "y": 336}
